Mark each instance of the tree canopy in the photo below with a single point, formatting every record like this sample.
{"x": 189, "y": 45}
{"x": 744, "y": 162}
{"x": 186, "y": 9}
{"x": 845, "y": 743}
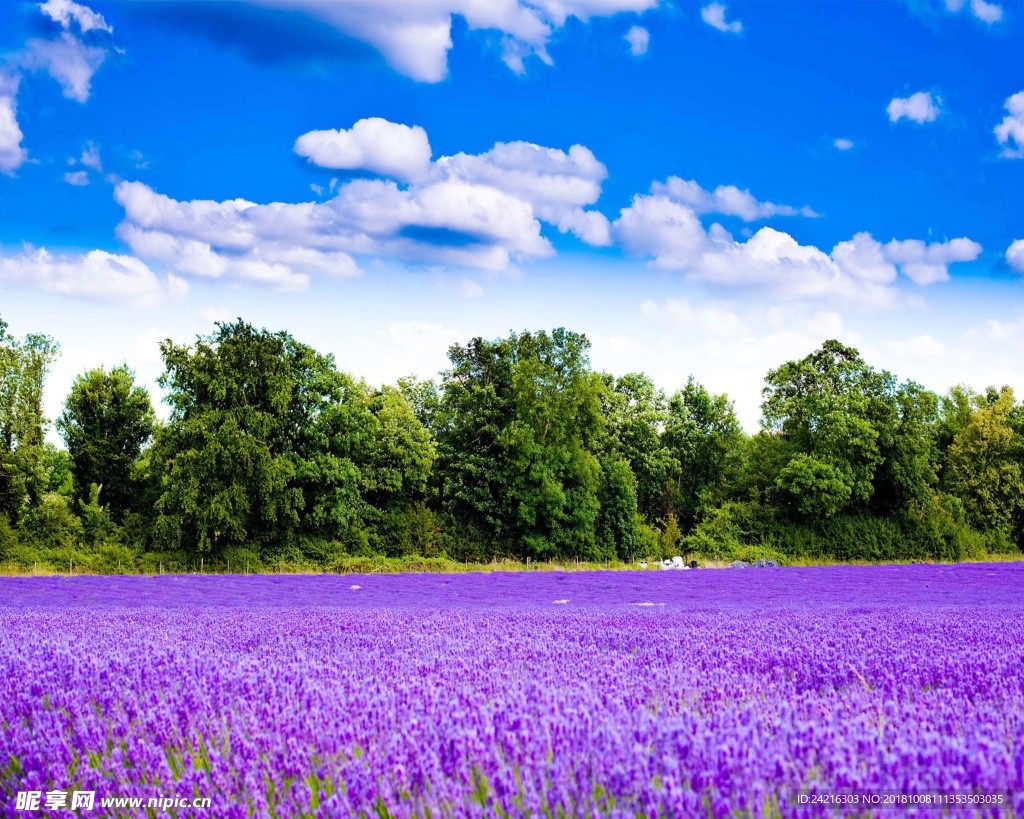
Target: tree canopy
{"x": 519, "y": 450}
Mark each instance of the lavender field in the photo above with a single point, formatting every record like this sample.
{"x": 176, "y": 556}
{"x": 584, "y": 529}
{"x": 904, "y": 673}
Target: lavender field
{"x": 704, "y": 693}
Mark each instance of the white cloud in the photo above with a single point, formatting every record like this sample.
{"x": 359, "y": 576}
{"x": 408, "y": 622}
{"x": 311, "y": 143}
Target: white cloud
{"x": 480, "y": 211}
{"x": 929, "y": 263}
{"x": 12, "y": 155}
{"x": 67, "y": 59}
{"x": 556, "y": 185}
{"x": 211, "y": 315}
{"x": 989, "y": 13}
{"x": 67, "y": 12}
{"x": 373, "y": 144}
{"x": 94, "y": 275}
{"x": 714, "y": 15}
{"x": 921, "y": 346}
{"x": 1010, "y": 132}
{"x": 90, "y": 158}
{"x": 727, "y": 200}
{"x": 705, "y": 319}
{"x": 658, "y": 227}
{"x": 77, "y": 178}
{"x": 998, "y": 330}
{"x": 639, "y": 40}
{"x": 414, "y": 38}
{"x": 1015, "y": 255}
{"x": 843, "y": 144}
{"x": 734, "y": 360}
{"x": 447, "y": 222}
{"x": 860, "y": 270}
{"x": 865, "y": 260}
{"x": 921, "y": 107}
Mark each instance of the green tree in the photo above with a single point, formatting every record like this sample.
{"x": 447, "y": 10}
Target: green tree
{"x": 984, "y": 468}
{"x": 400, "y": 453}
{"x": 907, "y": 476}
{"x": 270, "y": 446}
{"x": 519, "y": 424}
{"x": 107, "y": 420}
{"x": 704, "y": 441}
{"x": 617, "y": 518}
{"x": 831, "y": 408}
{"x": 24, "y": 366}
{"x": 636, "y": 413}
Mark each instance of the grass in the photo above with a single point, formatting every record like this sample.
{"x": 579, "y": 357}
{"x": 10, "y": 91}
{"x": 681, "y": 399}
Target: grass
{"x": 441, "y": 565}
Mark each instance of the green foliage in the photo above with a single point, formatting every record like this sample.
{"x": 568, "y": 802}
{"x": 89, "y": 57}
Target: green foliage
{"x": 518, "y": 427}
{"x": 23, "y": 368}
{"x": 51, "y": 525}
{"x": 719, "y": 535}
{"x": 705, "y": 444}
{"x": 636, "y": 413}
{"x": 669, "y": 537}
{"x": 616, "y": 521}
{"x": 648, "y": 539}
{"x": 107, "y": 420}
{"x": 814, "y": 488}
{"x": 983, "y": 468}
{"x": 274, "y": 460}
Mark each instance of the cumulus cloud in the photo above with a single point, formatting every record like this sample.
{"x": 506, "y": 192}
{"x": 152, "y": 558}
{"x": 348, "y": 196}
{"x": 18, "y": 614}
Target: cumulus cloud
{"x": 859, "y": 270}
{"x": 921, "y": 107}
{"x": 372, "y": 144}
{"x": 77, "y": 178}
{"x": 639, "y": 39}
{"x": 714, "y": 15}
{"x": 1010, "y": 132}
{"x": 482, "y": 211}
{"x": 1015, "y": 255}
{"x": 929, "y": 263}
{"x": 414, "y": 38}
{"x": 843, "y": 144}
{"x": 282, "y": 244}
{"x": 556, "y": 185}
{"x": 726, "y": 200}
{"x": 67, "y": 12}
{"x": 94, "y": 275}
{"x": 12, "y": 154}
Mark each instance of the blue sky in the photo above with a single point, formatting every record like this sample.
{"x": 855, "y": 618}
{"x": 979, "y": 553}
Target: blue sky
{"x": 701, "y": 188}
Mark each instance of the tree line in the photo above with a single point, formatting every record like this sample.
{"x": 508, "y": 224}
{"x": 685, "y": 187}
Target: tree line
{"x": 273, "y": 455}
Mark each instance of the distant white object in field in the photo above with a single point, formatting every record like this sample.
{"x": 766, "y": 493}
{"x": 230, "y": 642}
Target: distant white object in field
{"x": 643, "y": 564}
{"x": 355, "y": 588}
{"x": 560, "y": 602}
{"x": 647, "y": 604}
{"x": 675, "y": 563}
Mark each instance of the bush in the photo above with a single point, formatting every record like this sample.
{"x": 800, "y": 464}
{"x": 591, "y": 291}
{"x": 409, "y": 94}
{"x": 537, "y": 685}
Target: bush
{"x": 648, "y": 539}
{"x": 719, "y": 535}
{"x": 8, "y": 539}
